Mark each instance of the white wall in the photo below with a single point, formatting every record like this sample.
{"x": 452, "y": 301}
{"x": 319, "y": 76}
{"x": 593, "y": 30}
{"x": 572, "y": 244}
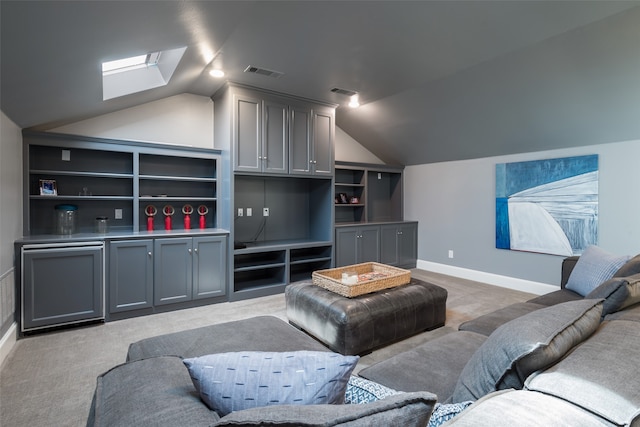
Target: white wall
{"x": 10, "y": 224}
{"x": 455, "y": 205}
{"x": 183, "y": 119}
{"x": 350, "y": 150}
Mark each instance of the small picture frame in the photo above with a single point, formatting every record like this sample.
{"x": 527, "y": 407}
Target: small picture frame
{"x": 48, "y": 187}
{"x": 343, "y": 198}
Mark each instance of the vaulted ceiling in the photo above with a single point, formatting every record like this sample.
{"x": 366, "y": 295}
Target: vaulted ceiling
{"x": 438, "y": 80}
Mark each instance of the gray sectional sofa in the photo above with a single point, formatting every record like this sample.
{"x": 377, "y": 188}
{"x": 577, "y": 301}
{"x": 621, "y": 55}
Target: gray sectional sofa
{"x": 560, "y": 359}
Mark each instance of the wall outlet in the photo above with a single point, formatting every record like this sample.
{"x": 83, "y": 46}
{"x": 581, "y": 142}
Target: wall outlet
{"x": 450, "y": 253}
{"x": 66, "y": 155}
{"x": 379, "y": 175}
{"x": 240, "y": 212}
{"x": 117, "y": 214}
{"x": 249, "y": 212}
{"x": 265, "y": 211}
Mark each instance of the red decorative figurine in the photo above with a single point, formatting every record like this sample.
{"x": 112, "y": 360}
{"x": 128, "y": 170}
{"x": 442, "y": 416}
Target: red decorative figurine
{"x": 202, "y": 211}
{"x": 150, "y": 211}
{"x": 187, "y": 210}
{"x": 168, "y": 212}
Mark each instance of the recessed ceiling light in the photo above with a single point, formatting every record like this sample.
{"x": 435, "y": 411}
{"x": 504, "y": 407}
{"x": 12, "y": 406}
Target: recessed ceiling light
{"x": 216, "y": 73}
{"x": 354, "y": 102}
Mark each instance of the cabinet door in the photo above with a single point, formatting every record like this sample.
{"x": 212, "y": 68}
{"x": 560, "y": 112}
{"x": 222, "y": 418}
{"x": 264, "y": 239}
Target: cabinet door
{"x": 247, "y": 133}
{"x": 389, "y": 244}
{"x": 275, "y": 144}
{"x": 209, "y": 266}
{"x": 368, "y": 249}
{"x": 408, "y": 245}
{"x": 172, "y": 270}
{"x": 323, "y": 134}
{"x": 346, "y": 239}
{"x": 62, "y": 285}
{"x": 300, "y": 141}
{"x": 130, "y": 275}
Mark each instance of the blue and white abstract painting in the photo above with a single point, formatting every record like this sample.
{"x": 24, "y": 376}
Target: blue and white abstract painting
{"x": 547, "y": 206}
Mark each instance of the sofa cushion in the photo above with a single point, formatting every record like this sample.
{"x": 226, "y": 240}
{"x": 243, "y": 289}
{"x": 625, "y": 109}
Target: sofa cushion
{"x": 600, "y": 375}
{"x": 230, "y": 382}
{"x": 361, "y": 390}
{"x": 618, "y": 293}
{"x": 523, "y": 408}
{"x": 404, "y": 409}
{"x": 556, "y": 297}
{"x": 156, "y": 391}
{"x": 260, "y": 333}
{"x": 489, "y": 322}
{"x": 594, "y": 266}
{"x": 434, "y": 365}
{"x": 522, "y": 346}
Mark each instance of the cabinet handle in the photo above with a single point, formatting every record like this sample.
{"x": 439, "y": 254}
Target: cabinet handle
{"x": 195, "y": 250}
{"x": 149, "y": 254}
{"x": 189, "y": 250}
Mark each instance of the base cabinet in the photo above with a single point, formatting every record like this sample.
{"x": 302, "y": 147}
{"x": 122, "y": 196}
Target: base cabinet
{"x": 189, "y": 268}
{"x": 130, "y": 275}
{"x": 399, "y": 245}
{"x": 388, "y": 243}
{"x": 61, "y": 285}
{"x": 355, "y": 245}
{"x": 144, "y": 273}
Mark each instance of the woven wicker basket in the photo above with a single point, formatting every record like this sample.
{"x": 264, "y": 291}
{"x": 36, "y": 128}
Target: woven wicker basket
{"x": 332, "y": 279}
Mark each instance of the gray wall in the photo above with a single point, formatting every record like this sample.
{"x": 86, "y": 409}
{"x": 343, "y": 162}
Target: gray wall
{"x": 455, "y": 205}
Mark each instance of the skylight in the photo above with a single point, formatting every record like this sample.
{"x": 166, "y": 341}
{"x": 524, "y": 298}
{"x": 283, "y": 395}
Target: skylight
{"x": 132, "y": 63}
{"x": 138, "y": 73}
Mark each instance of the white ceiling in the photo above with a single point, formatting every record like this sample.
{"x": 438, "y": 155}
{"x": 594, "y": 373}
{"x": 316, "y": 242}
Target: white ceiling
{"x": 392, "y": 52}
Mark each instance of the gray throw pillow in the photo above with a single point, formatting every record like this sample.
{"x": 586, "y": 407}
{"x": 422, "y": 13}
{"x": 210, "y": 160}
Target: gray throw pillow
{"x": 230, "y": 382}
{"x": 403, "y": 409}
{"x": 618, "y": 293}
{"x": 594, "y": 266}
{"x": 524, "y": 345}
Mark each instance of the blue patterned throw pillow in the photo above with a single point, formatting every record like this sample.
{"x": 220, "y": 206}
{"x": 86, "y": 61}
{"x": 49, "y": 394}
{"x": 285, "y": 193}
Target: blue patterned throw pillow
{"x": 444, "y": 412}
{"x": 230, "y": 382}
{"x": 361, "y": 390}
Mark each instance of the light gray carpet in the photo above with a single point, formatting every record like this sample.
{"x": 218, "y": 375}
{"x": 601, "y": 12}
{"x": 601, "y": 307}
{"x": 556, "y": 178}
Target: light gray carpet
{"x": 48, "y": 379}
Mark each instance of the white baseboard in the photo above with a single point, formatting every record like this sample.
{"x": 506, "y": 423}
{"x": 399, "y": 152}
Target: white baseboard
{"x": 8, "y": 341}
{"x": 490, "y": 278}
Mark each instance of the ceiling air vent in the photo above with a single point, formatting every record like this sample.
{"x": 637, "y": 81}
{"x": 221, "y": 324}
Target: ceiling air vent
{"x": 263, "y": 72}
{"x": 344, "y": 91}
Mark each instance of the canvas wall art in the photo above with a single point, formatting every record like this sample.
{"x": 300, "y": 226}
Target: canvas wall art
{"x": 547, "y": 206}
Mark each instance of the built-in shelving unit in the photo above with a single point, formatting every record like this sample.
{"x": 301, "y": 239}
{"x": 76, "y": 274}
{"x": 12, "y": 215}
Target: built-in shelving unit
{"x": 127, "y": 270}
{"x": 372, "y": 227}
{"x": 376, "y": 188}
{"x": 281, "y": 189}
{"x": 102, "y": 176}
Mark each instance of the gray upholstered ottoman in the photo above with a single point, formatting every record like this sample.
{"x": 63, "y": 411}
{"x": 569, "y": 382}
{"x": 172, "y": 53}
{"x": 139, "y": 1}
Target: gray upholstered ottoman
{"x": 360, "y": 324}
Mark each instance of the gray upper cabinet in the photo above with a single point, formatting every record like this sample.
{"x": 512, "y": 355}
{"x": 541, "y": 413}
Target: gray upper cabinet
{"x": 323, "y": 136}
{"x": 247, "y": 134}
{"x": 312, "y": 138}
{"x": 300, "y": 140}
{"x": 260, "y": 137}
